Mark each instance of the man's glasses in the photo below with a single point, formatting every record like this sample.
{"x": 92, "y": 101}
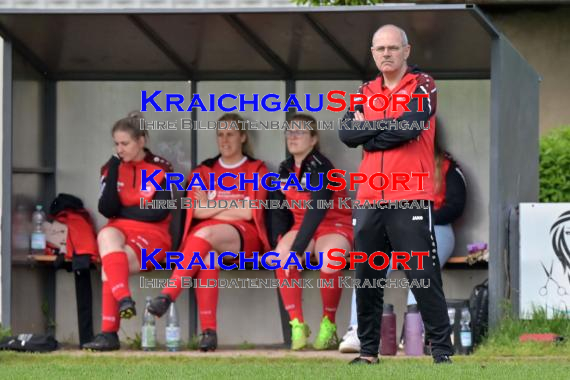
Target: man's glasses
{"x": 381, "y": 49}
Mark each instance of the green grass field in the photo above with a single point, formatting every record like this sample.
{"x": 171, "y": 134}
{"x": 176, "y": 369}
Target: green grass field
{"x": 106, "y": 366}
{"x": 501, "y": 356}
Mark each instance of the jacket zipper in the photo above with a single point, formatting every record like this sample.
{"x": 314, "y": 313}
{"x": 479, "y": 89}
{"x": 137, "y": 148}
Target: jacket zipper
{"x": 134, "y": 176}
{"x": 382, "y": 160}
{"x": 382, "y": 171}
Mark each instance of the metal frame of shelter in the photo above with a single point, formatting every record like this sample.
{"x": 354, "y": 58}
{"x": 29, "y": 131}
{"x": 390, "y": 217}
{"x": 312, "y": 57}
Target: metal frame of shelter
{"x": 290, "y": 44}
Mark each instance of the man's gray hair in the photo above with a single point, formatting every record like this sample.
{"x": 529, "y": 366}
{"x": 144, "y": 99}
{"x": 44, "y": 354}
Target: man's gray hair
{"x": 402, "y": 32}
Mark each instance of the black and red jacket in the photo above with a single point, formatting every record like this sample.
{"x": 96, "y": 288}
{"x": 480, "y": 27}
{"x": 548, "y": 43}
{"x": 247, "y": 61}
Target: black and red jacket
{"x": 121, "y": 192}
{"x": 396, "y": 150}
{"x": 451, "y": 195}
{"x": 280, "y": 221}
{"x": 81, "y": 237}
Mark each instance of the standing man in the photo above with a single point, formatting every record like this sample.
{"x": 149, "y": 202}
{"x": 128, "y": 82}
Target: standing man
{"x": 397, "y": 149}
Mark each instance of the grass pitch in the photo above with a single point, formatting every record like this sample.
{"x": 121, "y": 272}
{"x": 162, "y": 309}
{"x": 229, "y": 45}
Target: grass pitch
{"x": 73, "y": 365}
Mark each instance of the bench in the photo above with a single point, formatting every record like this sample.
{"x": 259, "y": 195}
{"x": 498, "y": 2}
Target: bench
{"x": 46, "y": 261}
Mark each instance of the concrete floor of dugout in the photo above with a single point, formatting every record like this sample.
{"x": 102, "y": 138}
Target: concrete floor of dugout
{"x": 288, "y": 354}
{"x": 244, "y": 315}
{"x": 232, "y": 353}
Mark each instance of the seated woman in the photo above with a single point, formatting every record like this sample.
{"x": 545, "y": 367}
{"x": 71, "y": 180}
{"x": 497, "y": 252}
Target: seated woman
{"x": 129, "y": 228}
{"x": 315, "y": 230}
{"x": 218, "y": 229}
{"x": 450, "y": 195}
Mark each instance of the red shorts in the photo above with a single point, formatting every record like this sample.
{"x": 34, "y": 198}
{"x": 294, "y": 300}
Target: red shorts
{"x": 249, "y": 236}
{"x": 138, "y": 238}
{"x": 328, "y": 228}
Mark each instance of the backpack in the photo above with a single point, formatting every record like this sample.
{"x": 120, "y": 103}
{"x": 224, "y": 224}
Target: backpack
{"x": 479, "y": 309}
{"x": 29, "y": 343}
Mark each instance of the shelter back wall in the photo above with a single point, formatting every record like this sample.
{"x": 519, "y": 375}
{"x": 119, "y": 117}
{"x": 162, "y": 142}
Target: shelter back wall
{"x": 87, "y": 110}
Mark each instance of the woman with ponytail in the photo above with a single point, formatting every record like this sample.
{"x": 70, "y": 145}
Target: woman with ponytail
{"x": 129, "y": 228}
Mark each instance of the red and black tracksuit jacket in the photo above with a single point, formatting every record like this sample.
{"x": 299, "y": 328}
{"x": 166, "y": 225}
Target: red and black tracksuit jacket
{"x": 451, "y": 196}
{"x": 280, "y": 220}
{"x": 81, "y": 238}
{"x": 121, "y": 193}
{"x": 396, "y": 150}
{"x": 250, "y": 166}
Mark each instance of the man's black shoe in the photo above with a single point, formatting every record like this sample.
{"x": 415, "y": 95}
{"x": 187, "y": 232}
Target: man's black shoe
{"x": 127, "y": 308}
{"x": 103, "y": 342}
{"x": 361, "y": 360}
{"x": 209, "y": 341}
{"x": 442, "y": 359}
{"x": 159, "y": 305}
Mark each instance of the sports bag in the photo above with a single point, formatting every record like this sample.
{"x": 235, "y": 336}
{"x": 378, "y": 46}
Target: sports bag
{"x": 479, "y": 308}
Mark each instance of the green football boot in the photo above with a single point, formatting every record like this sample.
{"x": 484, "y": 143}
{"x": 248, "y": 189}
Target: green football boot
{"x": 299, "y": 334}
{"x": 327, "y": 338}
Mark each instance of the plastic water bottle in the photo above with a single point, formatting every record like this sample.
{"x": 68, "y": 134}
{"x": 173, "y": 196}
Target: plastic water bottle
{"x": 172, "y": 329}
{"x": 388, "y": 344}
{"x": 413, "y": 329}
{"x": 465, "y": 332}
{"x": 38, "y": 238}
{"x": 21, "y": 230}
{"x": 148, "y": 329}
{"x": 451, "y": 314}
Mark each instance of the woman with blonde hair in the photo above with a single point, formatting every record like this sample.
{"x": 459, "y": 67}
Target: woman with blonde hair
{"x": 218, "y": 229}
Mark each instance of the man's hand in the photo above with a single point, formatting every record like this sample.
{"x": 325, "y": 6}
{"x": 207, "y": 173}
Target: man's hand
{"x": 359, "y": 116}
{"x": 352, "y": 135}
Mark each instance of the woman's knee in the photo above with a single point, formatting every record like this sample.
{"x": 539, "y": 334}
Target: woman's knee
{"x": 110, "y": 239}
{"x": 107, "y": 234}
{"x": 331, "y": 260}
{"x": 205, "y": 233}
{"x": 334, "y": 247}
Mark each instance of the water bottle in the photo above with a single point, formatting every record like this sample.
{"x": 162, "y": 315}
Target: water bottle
{"x": 21, "y": 230}
{"x": 388, "y": 344}
{"x": 172, "y": 329}
{"x": 413, "y": 332}
{"x": 148, "y": 329}
{"x": 38, "y": 238}
{"x": 465, "y": 332}
{"x": 451, "y": 314}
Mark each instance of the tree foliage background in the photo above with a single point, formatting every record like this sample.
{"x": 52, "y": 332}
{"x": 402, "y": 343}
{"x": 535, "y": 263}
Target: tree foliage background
{"x": 554, "y": 167}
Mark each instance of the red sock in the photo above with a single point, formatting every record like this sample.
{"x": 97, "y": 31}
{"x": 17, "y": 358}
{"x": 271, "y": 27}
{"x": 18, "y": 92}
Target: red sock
{"x": 292, "y": 297}
{"x": 193, "y": 244}
{"x": 207, "y": 298}
{"x": 331, "y": 296}
{"x": 110, "y": 310}
{"x": 116, "y": 267}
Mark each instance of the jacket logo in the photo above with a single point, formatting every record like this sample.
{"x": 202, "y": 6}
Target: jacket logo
{"x": 418, "y": 217}
{"x": 378, "y": 102}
